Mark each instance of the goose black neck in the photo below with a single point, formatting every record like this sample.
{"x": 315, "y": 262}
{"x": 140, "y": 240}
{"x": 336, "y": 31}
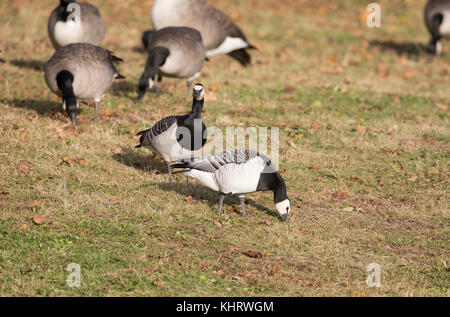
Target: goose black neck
{"x": 64, "y": 79}
{"x": 156, "y": 58}
{"x": 197, "y": 106}
{"x": 272, "y": 180}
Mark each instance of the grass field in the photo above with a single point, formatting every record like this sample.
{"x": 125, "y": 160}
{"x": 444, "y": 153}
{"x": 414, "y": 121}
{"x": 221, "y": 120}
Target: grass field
{"x": 364, "y": 149}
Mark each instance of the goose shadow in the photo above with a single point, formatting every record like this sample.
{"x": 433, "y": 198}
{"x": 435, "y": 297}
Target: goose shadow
{"x": 124, "y": 88}
{"x": 30, "y": 64}
{"x": 141, "y": 162}
{"x": 42, "y": 107}
{"x": 199, "y": 192}
{"x": 411, "y": 49}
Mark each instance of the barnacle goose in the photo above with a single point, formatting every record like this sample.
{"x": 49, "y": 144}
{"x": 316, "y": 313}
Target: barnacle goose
{"x": 66, "y": 25}
{"x": 172, "y": 52}
{"x": 437, "y": 20}
{"x": 83, "y": 71}
{"x": 178, "y": 137}
{"x": 237, "y": 172}
{"x": 220, "y": 35}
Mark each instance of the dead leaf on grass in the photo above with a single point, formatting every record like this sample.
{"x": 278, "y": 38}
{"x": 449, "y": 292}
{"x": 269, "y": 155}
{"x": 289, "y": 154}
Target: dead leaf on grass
{"x": 39, "y": 219}
{"x": 253, "y": 254}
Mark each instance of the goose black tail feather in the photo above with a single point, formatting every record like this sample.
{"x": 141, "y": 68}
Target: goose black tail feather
{"x": 114, "y": 58}
{"x": 241, "y": 56}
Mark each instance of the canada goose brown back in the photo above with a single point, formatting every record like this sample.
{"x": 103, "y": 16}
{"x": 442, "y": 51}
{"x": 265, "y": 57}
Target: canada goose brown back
{"x": 220, "y": 35}
{"x": 62, "y": 30}
{"x": 173, "y": 52}
{"x": 86, "y": 69}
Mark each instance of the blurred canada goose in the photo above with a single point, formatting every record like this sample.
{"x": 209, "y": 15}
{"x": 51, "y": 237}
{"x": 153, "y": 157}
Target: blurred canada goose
{"x": 238, "y": 172}
{"x": 83, "y": 71}
{"x": 178, "y": 137}
{"x": 437, "y": 20}
{"x": 220, "y": 35}
{"x": 66, "y": 25}
{"x": 172, "y": 52}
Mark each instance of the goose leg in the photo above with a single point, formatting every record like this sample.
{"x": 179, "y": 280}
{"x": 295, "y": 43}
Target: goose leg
{"x": 188, "y": 86}
{"x": 96, "y": 104}
{"x": 222, "y": 197}
{"x": 170, "y": 172}
{"x": 158, "y": 84}
{"x": 244, "y": 211}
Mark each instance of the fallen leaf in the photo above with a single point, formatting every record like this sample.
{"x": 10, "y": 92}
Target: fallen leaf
{"x": 264, "y": 222}
{"x": 361, "y": 129}
{"x": 313, "y": 167}
{"x": 72, "y": 160}
{"x": 233, "y": 249}
{"x": 218, "y": 224}
{"x": 39, "y": 219}
{"x": 275, "y": 270}
{"x": 253, "y": 254}
{"x": 442, "y": 107}
{"x": 117, "y": 150}
{"x": 348, "y": 209}
{"x": 315, "y": 126}
{"x": 24, "y": 227}
{"x": 159, "y": 283}
{"x": 188, "y": 199}
{"x": 289, "y": 89}
{"x": 338, "y": 195}
{"x": 383, "y": 181}
{"x": 4, "y": 193}
{"x": 409, "y": 74}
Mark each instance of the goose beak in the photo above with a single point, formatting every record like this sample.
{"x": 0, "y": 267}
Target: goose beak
{"x": 284, "y": 217}
{"x": 73, "y": 118}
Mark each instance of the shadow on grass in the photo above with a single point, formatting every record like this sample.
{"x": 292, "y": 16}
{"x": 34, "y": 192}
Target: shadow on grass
{"x": 412, "y": 49}
{"x": 140, "y": 161}
{"x": 199, "y": 192}
{"x": 47, "y": 108}
{"x": 125, "y": 88}
{"x": 30, "y": 64}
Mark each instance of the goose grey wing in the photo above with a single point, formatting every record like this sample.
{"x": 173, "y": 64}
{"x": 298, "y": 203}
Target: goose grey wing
{"x": 158, "y": 128}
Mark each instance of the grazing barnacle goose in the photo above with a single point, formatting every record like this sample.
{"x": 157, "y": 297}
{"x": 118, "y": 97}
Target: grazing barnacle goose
{"x": 238, "y": 172}
{"x": 73, "y": 22}
{"x": 178, "y": 137}
{"x": 83, "y": 71}
{"x": 172, "y": 52}
{"x": 437, "y": 20}
{"x": 220, "y": 35}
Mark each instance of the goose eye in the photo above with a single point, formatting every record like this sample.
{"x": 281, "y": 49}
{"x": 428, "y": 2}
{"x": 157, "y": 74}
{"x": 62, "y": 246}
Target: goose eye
{"x": 287, "y": 209}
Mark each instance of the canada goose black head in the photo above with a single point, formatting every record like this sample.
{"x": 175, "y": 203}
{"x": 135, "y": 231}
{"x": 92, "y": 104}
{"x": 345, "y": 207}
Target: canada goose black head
{"x": 64, "y": 79}
{"x": 156, "y": 58}
{"x": 65, "y": 12}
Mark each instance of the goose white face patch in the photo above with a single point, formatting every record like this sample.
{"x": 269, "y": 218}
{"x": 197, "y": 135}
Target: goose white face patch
{"x": 283, "y": 207}
{"x": 198, "y": 88}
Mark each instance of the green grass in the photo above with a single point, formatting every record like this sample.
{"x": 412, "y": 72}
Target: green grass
{"x": 364, "y": 149}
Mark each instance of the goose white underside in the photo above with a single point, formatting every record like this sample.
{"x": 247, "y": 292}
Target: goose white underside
{"x": 205, "y": 178}
{"x": 229, "y": 45}
{"x": 167, "y": 146}
{"x": 68, "y": 32}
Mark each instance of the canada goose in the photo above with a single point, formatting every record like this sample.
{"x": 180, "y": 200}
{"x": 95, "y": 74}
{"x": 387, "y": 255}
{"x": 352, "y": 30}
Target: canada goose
{"x": 220, "y": 35}
{"x": 178, "y": 137}
{"x": 437, "y": 20}
{"x": 172, "y": 52}
{"x": 83, "y": 71}
{"x": 73, "y": 22}
{"x": 238, "y": 172}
